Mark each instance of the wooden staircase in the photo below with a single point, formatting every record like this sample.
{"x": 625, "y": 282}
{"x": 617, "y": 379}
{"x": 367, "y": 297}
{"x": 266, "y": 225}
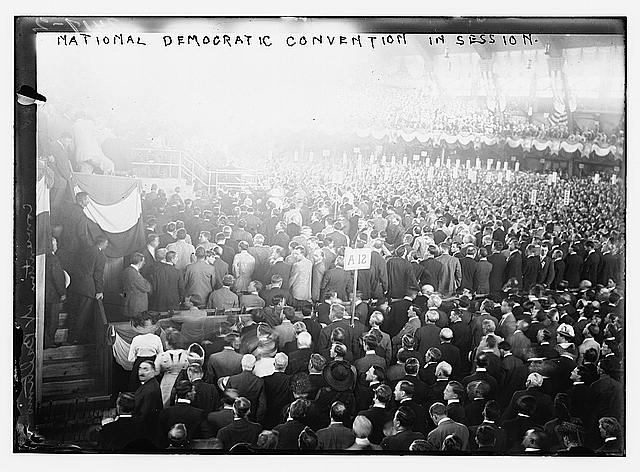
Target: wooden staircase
{"x": 71, "y": 371}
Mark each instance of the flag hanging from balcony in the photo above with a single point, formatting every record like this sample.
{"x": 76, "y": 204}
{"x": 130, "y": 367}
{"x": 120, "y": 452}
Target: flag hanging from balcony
{"x": 115, "y": 210}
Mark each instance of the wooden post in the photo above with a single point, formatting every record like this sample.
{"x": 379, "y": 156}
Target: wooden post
{"x": 353, "y": 299}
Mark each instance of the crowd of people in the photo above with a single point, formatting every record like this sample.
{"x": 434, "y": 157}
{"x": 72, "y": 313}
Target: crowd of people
{"x": 487, "y": 323}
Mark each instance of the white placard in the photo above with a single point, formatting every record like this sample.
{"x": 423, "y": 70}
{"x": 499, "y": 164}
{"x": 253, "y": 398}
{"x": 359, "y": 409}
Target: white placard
{"x": 393, "y": 159}
{"x": 489, "y": 163}
{"x": 478, "y": 163}
{"x": 498, "y": 165}
{"x": 596, "y": 178}
{"x": 505, "y": 166}
{"x": 423, "y": 153}
{"x": 517, "y": 166}
{"x": 468, "y": 163}
{"x": 567, "y": 196}
{"x": 614, "y": 179}
{"x": 457, "y": 163}
{"x": 438, "y": 162}
{"x": 533, "y": 197}
{"x": 404, "y": 160}
{"x": 509, "y": 175}
{"x": 416, "y": 157}
{"x": 357, "y": 258}
{"x": 427, "y": 162}
{"x": 448, "y": 163}
{"x": 500, "y": 177}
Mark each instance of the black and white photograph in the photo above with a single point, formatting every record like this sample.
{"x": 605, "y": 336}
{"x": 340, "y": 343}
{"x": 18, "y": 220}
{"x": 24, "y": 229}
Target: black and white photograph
{"x": 294, "y": 235}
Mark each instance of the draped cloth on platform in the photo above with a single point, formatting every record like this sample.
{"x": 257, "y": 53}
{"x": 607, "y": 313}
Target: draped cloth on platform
{"x": 115, "y": 210}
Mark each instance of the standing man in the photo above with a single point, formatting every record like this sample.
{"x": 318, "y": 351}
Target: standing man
{"x": 300, "y": 281}
{"x": 498, "y": 264}
{"x": 199, "y": 279}
{"x": 87, "y": 286}
{"x": 136, "y": 287}
{"x": 149, "y": 253}
{"x": 185, "y": 252}
{"x": 243, "y": 266}
{"x": 55, "y": 293}
{"x": 451, "y": 275}
{"x": 167, "y": 287}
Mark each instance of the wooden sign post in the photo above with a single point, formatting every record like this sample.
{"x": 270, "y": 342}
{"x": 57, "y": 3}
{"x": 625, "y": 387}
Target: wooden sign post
{"x": 356, "y": 259}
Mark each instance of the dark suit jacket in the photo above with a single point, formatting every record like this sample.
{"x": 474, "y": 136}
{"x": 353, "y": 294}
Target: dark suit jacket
{"x": 401, "y": 276}
{"x": 89, "y": 275}
{"x": 379, "y": 417}
{"x": 482, "y": 281}
{"x": 496, "y": 277}
{"x": 54, "y": 280}
{"x": 222, "y": 364}
{"x": 400, "y": 441}
{"x": 288, "y": 433}
{"x": 432, "y": 270}
{"x": 501, "y": 438}
{"x": 167, "y": 288}
{"x": 473, "y": 411}
{"x": 148, "y": 404}
{"x": 338, "y": 280}
{"x": 251, "y": 387}
{"x": 313, "y": 328}
{"x": 608, "y": 268}
{"x": 558, "y": 273}
{"x": 180, "y": 413}
{"x": 239, "y": 431}
{"x": 437, "y": 436}
{"x": 115, "y": 436}
{"x": 281, "y": 268}
{"x": 364, "y": 363}
{"x": 206, "y": 396}
{"x": 397, "y": 317}
{"x": 530, "y": 269}
{"x": 544, "y": 406}
{"x": 456, "y": 411}
{"x": 299, "y": 361}
{"x": 573, "y": 270}
{"x": 547, "y": 272}
{"x": 451, "y": 354}
{"x": 278, "y": 395}
{"x": 335, "y": 437}
{"x": 590, "y": 268}
{"x": 216, "y": 420}
{"x": 136, "y": 290}
{"x": 513, "y": 268}
{"x": 150, "y": 263}
{"x": 469, "y": 268}
{"x": 425, "y": 337}
{"x": 515, "y": 430}
{"x": 420, "y": 424}
{"x": 485, "y": 376}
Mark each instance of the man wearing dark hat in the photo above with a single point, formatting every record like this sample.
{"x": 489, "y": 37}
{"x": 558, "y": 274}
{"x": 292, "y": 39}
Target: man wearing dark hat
{"x": 544, "y": 404}
{"x": 240, "y": 430}
{"x": 277, "y": 391}
{"x": 340, "y": 379}
{"x": 182, "y": 412}
{"x": 516, "y": 427}
{"x": 380, "y": 414}
{"x": 403, "y": 422}
{"x": 199, "y": 279}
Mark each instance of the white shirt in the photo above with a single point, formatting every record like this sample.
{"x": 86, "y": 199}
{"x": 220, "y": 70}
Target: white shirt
{"x": 145, "y": 345}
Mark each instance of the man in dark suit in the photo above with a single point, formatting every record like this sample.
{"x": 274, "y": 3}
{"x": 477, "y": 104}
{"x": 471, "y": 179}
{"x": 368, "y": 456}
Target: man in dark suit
{"x": 336, "y": 316}
{"x": 379, "y": 414}
{"x": 275, "y": 290}
{"x": 445, "y": 426}
{"x": 312, "y": 324}
{"x": 403, "y": 421}
{"x": 591, "y": 264}
{"x": 277, "y": 391}
{"x": 608, "y": 268}
{"x": 477, "y": 392}
{"x": 205, "y": 395}
{"x": 398, "y": 313}
{"x": 530, "y": 268}
{"x": 248, "y": 385}
{"x": 490, "y": 419}
{"x": 289, "y": 431}
{"x": 337, "y": 280}
{"x": 404, "y": 393}
{"x": 543, "y": 404}
{"x": 240, "y": 430}
{"x": 115, "y": 436}
{"x": 135, "y": 287}
{"x": 498, "y": 266}
{"x": 149, "y": 253}
{"x": 216, "y": 420}
{"x": 370, "y": 358}
{"x": 224, "y": 363}
{"x": 279, "y": 267}
{"x": 461, "y": 339}
{"x": 516, "y": 427}
{"x": 182, "y": 412}
{"x": 454, "y": 394}
{"x": 428, "y": 336}
{"x": 510, "y": 366}
{"x": 147, "y": 399}
{"x": 200, "y": 278}
{"x": 420, "y": 387}
{"x": 558, "y": 269}
{"x": 87, "y": 286}
{"x": 547, "y": 268}
{"x": 400, "y": 274}
{"x": 469, "y": 267}
{"x": 62, "y": 151}
{"x": 167, "y": 286}
{"x": 168, "y": 236}
{"x": 573, "y": 268}
{"x": 432, "y": 268}
{"x": 299, "y": 358}
{"x": 55, "y": 293}
{"x": 450, "y": 352}
{"x": 513, "y": 268}
{"x": 336, "y": 437}
{"x": 481, "y": 374}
